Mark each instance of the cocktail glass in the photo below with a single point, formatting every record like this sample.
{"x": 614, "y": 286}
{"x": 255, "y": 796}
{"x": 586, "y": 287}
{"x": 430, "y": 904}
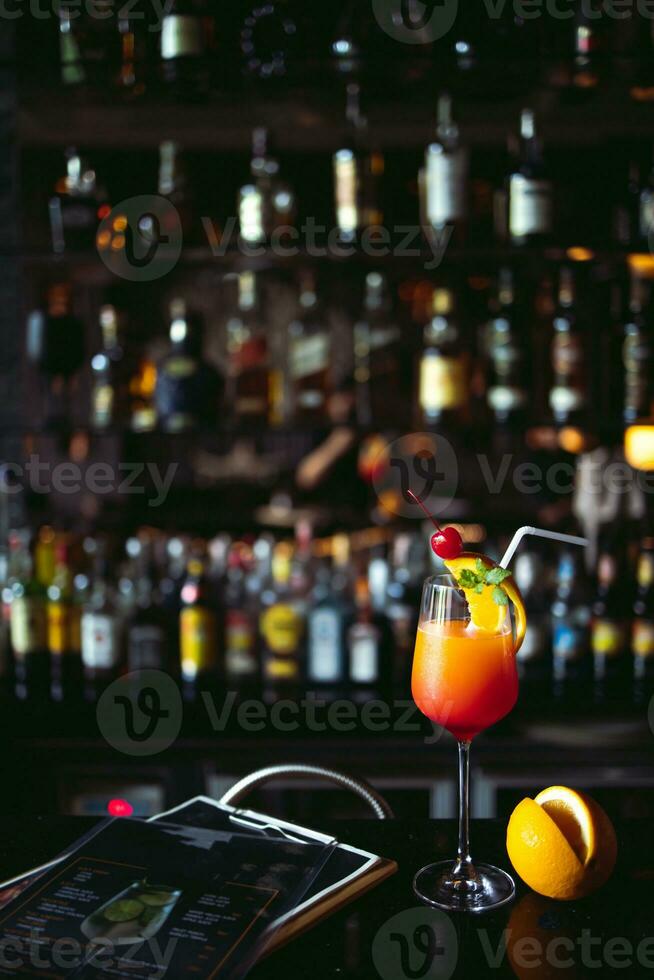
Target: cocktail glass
{"x": 464, "y": 679}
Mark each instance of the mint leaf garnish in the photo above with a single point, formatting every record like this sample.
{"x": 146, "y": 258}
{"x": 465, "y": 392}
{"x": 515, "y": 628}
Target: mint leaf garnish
{"x": 481, "y": 568}
{"x": 494, "y": 576}
{"x": 500, "y": 597}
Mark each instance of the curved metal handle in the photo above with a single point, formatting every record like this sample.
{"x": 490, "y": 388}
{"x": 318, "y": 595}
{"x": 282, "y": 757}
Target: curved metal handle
{"x": 359, "y": 786}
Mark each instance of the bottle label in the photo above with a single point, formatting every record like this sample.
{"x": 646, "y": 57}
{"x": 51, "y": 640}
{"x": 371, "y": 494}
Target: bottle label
{"x": 530, "y": 206}
{"x": 100, "y": 648}
{"x": 197, "y": 640}
{"x": 643, "y": 638}
{"x": 646, "y": 213}
{"x": 103, "y": 403}
{"x": 252, "y": 215}
{"x": 442, "y": 383}
{"x": 607, "y": 638}
{"x": 182, "y": 36}
{"x": 240, "y": 639}
{"x": 563, "y": 399}
{"x": 28, "y": 625}
{"x": 146, "y": 647}
{"x": 567, "y": 642}
{"x": 64, "y": 628}
{"x": 346, "y": 179}
{"x": 309, "y": 356}
{"x": 502, "y": 398}
{"x": 645, "y": 574}
{"x": 364, "y": 660}
{"x": 446, "y": 180}
{"x": 281, "y": 628}
{"x": 324, "y": 662}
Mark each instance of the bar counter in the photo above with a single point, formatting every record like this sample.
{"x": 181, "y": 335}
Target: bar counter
{"x": 384, "y": 932}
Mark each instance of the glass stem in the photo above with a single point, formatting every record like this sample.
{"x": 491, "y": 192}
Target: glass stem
{"x": 464, "y": 861}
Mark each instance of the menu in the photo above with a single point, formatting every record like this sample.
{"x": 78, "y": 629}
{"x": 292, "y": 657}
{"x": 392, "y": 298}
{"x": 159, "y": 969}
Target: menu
{"x": 160, "y": 899}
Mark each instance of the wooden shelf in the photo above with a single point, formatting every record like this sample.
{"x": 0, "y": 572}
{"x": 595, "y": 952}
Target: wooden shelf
{"x": 312, "y": 124}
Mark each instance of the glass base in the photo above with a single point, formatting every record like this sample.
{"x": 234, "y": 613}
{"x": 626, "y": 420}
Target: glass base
{"x": 475, "y": 888}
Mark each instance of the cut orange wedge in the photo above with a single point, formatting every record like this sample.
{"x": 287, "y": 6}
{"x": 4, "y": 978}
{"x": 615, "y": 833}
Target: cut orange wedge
{"x": 562, "y": 843}
{"x": 485, "y": 613}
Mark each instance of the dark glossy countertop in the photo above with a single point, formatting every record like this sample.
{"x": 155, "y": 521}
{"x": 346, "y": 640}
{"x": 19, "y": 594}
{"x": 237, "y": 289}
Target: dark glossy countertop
{"x": 609, "y": 933}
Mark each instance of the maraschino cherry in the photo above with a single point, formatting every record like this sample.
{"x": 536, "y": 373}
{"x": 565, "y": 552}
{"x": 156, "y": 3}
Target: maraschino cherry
{"x": 446, "y": 543}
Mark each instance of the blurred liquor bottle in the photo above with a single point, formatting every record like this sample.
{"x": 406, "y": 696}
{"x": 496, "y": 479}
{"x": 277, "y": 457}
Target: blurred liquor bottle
{"x": 328, "y": 621}
{"x": 379, "y": 359}
{"x": 611, "y": 612}
{"x": 188, "y": 390}
{"x": 370, "y": 649}
{"x": 505, "y": 346}
{"x": 444, "y": 385}
{"x": 77, "y": 206}
{"x": 64, "y": 617}
{"x": 358, "y": 173}
{"x": 198, "y": 631}
{"x": 110, "y": 375}
{"x": 569, "y": 396}
{"x": 55, "y": 346}
{"x": 529, "y": 189}
{"x": 638, "y": 354}
{"x": 266, "y": 203}
{"x": 282, "y": 628}
{"x": 642, "y": 630}
{"x": 248, "y": 353}
{"x": 89, "y": 46}
{"x": 173, "y": 185}
{"x": 445, "y": 180}
{"x": 310, "y": 348}
{"x": 131, "y": 80}
{"x": 102, "y": 634}
{"x": 28, "y": 622}
{"x": 186, "y": 39}
{"x": 242, "y": 673}
{"x": 150, "y": 626}
{"x": 571, "y": 660}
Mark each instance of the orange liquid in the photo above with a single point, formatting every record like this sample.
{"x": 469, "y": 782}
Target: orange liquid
{"x": 463, "y": 679}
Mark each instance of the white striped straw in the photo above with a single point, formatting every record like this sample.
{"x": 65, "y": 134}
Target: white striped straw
{"x": 539, "y": 533}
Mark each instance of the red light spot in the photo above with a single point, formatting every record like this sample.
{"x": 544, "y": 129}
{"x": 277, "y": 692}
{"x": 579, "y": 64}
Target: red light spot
{"x": 119, "y": 808}
{"x": 103, "y": 211}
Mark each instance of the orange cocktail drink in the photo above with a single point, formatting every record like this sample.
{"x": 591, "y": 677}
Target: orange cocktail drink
{"x": 464, "y": 678}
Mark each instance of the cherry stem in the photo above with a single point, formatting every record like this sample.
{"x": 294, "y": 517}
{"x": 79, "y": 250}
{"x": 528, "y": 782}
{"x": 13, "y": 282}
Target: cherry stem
{"x": 424, "y": 510}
